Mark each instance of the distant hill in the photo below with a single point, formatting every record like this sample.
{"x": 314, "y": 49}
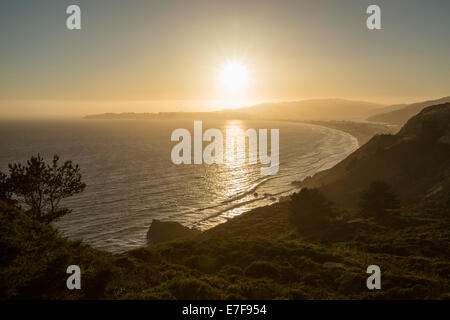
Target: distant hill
{"x": 226, "y": 114}
{"x": 416, "y": 162}
{"x": 316, "y": 109}
{"x": 399, "y": 114}
{"x": 304, "y": 110}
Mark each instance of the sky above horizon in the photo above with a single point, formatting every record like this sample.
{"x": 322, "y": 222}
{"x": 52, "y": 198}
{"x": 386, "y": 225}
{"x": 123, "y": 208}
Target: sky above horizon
{"x": 147, "y": 56}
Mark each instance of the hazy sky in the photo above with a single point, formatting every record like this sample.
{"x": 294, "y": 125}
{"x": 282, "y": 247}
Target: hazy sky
{"x": 166, "y": 55}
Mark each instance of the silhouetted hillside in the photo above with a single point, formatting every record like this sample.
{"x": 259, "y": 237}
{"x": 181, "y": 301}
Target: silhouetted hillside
{"x": 399, "y": 114}
{"x": 416, "y": 162}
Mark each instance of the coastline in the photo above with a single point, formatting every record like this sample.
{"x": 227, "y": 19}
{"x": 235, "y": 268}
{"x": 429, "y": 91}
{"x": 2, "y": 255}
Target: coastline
{"x": 251, "y": 203}
{"x": 276, "y": 199}
{"x": 362, "y": 131}
{"x": 120, "y": 221}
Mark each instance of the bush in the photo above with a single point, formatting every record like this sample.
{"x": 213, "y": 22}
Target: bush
{"x": 262, "y": 269}
{"x": 192, "y": 289}
{"x": 231, "y": 270}
{"x": 202, "y": 263}
{"x": 5, "y": 190}
{"x": 310, "y": 208}
{"x": 378, "y": 199}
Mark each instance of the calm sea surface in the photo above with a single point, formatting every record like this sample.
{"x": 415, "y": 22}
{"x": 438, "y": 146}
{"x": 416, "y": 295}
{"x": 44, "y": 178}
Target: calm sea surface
{"x": 131, "y": 180}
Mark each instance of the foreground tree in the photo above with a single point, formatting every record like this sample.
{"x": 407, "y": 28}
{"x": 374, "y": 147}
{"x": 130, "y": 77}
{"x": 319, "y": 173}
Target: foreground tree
{"x": 310, "y": 208}
{"x": 378, "y": 199}
{"x": 39, "y": 187}
{"x": 5, "y": 192}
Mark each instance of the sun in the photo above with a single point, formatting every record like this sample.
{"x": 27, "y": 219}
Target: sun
{"x": 234, "y": 76}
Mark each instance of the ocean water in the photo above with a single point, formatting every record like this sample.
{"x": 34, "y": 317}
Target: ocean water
{"x": 131, "y": 180}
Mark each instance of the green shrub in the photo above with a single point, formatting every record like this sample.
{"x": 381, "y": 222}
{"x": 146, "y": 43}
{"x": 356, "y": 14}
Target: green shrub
{"x": 202, "y": 263}
{"x": 191, "y": 288}
{"x": 262, "y": 269}
{"x": 310, "y": 208}
{"x": 231, "y": 270}
{"x": 378, "y": 199}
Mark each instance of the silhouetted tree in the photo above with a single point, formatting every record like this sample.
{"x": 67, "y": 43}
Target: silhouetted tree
{"x": 5, "y": 192}
{"x": 310, "y": 207}
{"x": 40, "y": 187}
{"x": 378, "y": 199}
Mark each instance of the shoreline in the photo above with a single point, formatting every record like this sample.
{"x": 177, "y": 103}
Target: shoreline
{"x": 263, "y": 200}
{"x": 119, "y": 237}
{"x": 279, "y": 198}
{"x": 267, "y": 200}
{"x": 351, "y": 128}
{"x": 348, "y": 143}
{"x": 362, "y": 131}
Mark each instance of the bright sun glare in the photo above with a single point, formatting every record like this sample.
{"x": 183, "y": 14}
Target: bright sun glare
{"x": 234, "y": 76}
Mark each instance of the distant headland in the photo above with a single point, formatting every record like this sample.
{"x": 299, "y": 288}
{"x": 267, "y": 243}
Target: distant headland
{"x": 170, "y": 115}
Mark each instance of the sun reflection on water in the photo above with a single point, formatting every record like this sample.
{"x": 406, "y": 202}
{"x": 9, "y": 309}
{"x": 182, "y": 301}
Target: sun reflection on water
{"x": 235, "y": 177}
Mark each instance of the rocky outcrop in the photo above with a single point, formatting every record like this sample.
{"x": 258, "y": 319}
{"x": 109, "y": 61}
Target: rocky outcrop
{"x": 161, "y": 231}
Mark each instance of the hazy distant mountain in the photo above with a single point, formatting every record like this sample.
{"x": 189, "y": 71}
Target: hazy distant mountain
{"x": 400, "y": 113}
{"x": 316, "y": 109}
{"x": 416, "y": 162}
{"x": 305, "y": 110}
{"x": 225, "y": 114}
